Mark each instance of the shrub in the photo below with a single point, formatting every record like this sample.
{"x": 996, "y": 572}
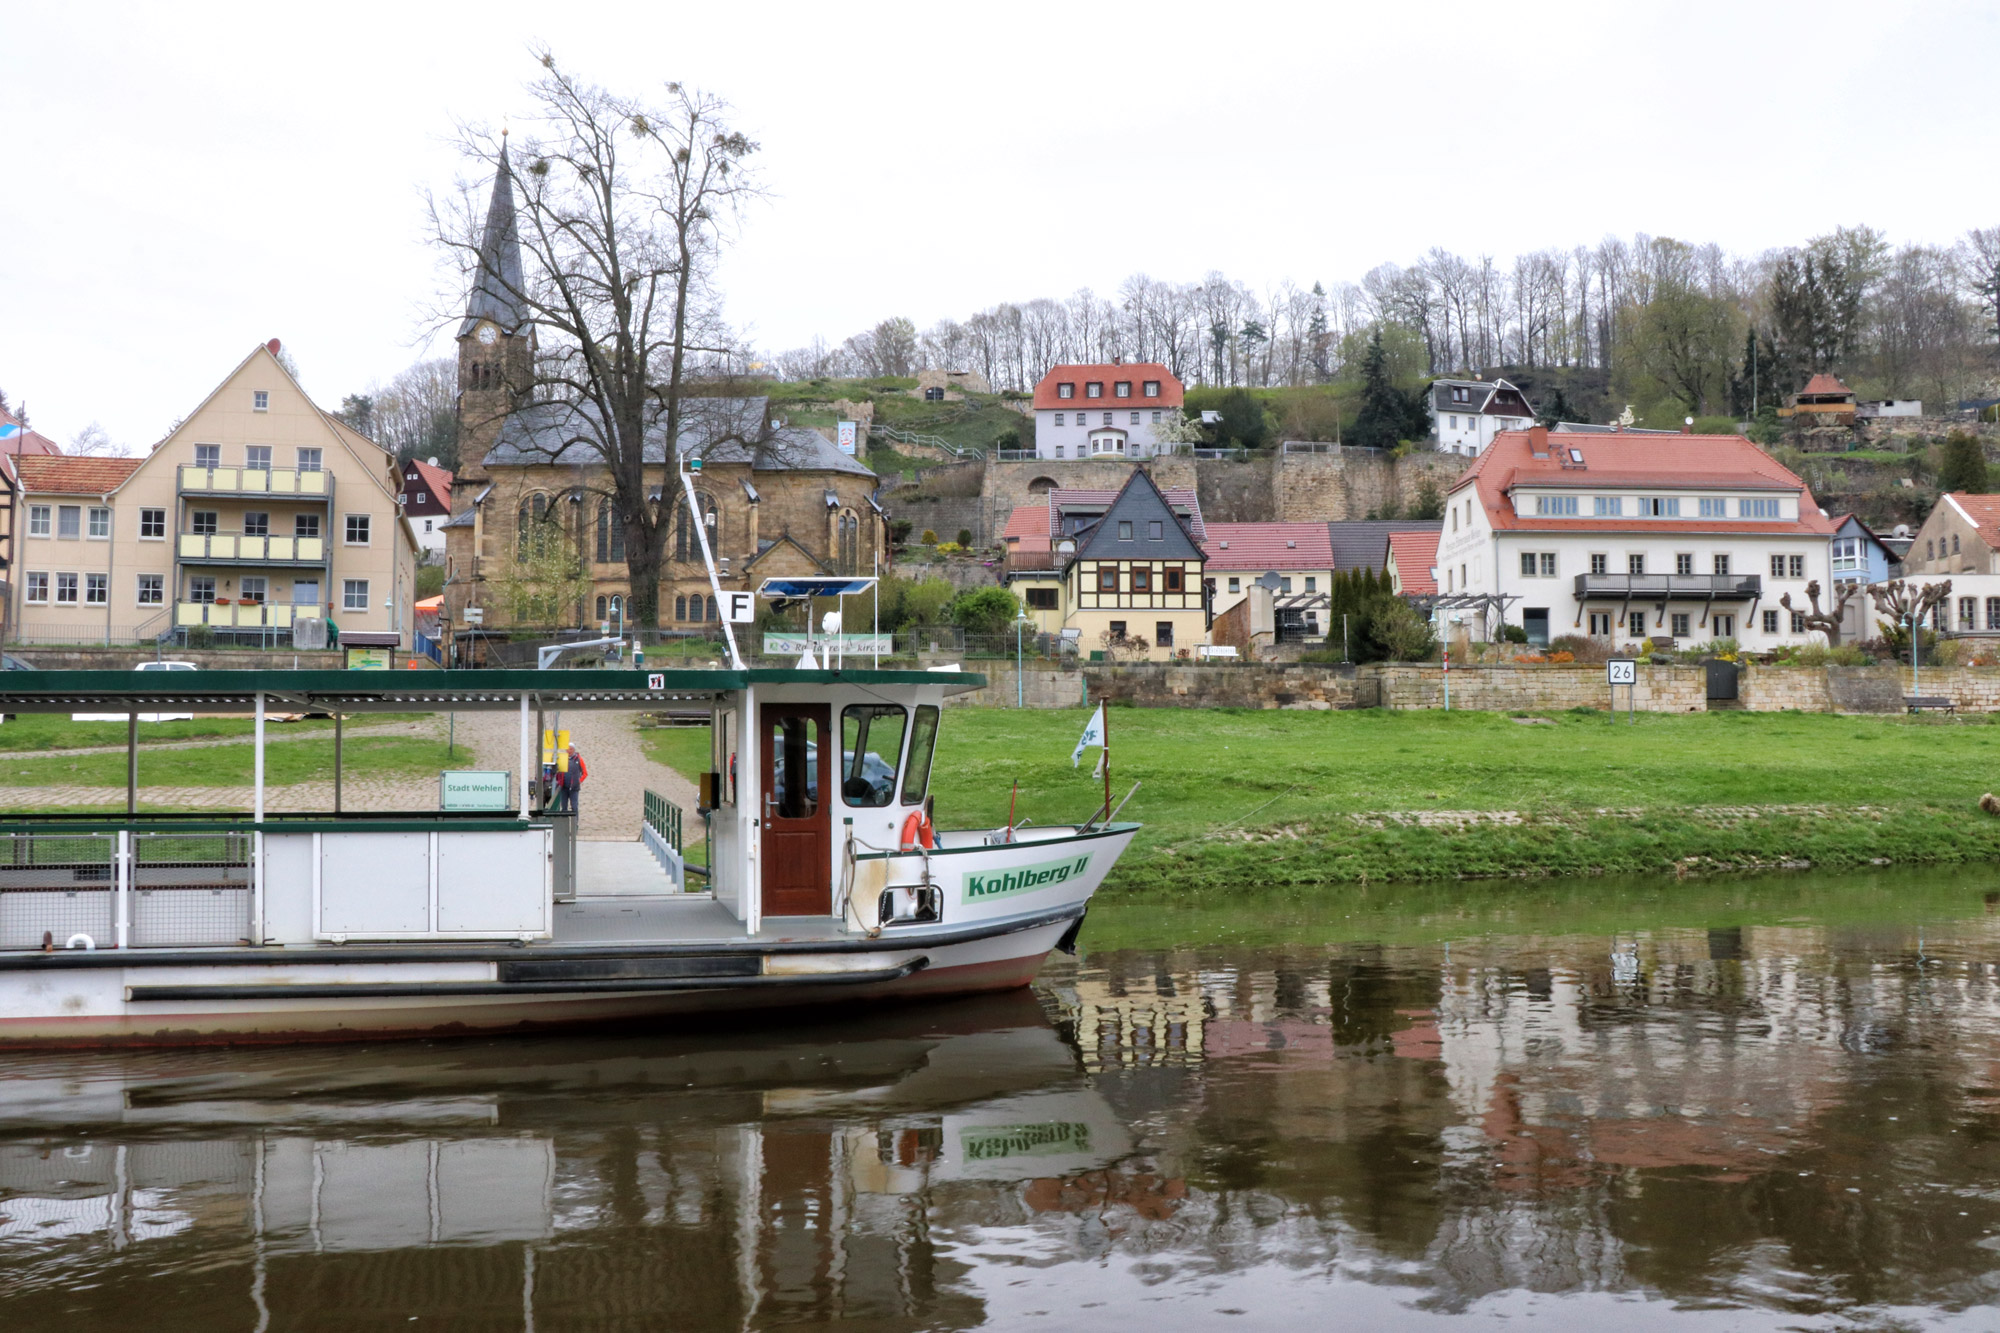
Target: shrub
{"x": 985, "y": 611}
{"x": 1407, "y": 635}
{"x": 965, "y": 536}
{"x": 929, "y": 537}
{"x": 1581, "y": 648}
{"x": 1513, "y": 634}
{"x": 949, "y": 548}
{"x": 899, "y": 531}
{"x": 1562, "y": 657}
{"x": 200, "y": 636}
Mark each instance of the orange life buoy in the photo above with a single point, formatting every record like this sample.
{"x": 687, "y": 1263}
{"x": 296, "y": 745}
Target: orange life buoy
{"x": 917, "y": 831}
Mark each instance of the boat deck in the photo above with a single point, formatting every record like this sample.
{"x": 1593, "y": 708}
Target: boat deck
{"x": 682, "y": 918}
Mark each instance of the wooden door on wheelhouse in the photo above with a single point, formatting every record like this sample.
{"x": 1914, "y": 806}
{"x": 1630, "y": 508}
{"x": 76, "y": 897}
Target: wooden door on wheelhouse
{"x": 797, "y": 851}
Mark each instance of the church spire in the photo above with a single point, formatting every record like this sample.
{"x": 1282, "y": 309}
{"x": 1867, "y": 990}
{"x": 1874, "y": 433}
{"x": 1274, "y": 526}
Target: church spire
{"x": 496, "y": 287}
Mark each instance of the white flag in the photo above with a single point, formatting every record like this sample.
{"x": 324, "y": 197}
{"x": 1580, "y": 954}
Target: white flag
{"x": 1092, "y": 735}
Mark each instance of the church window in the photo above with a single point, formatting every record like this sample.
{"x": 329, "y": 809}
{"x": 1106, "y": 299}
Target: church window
{"x": 534, "y": 510}
{"x": 610, "y": 533}
{"x": 260, "y": 400}
{"x": 687, "y": 546}
{"x": 601, "y": 609}
{"x": 680, "y": 608}
{"x": 357, "y": 529}
{"x": 714, "y": 615}
{"x": 848, "y": 553}
{"x": 309, "y": 460}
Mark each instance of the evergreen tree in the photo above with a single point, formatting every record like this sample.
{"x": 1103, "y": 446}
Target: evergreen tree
{"x": 1559, "y": 409}
{"x": 1317, "y": 336}
{"x": 1963, "y": 467}
{"x": 1385, "y": 416}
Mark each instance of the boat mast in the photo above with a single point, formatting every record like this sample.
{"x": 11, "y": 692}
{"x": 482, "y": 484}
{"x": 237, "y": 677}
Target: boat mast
{"x": 697, "y": 520}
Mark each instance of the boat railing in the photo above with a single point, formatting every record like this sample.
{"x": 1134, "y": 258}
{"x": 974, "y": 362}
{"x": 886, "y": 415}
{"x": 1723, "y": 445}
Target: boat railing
{"x": 126, "y": 888}
{"x": 661, "y": 832}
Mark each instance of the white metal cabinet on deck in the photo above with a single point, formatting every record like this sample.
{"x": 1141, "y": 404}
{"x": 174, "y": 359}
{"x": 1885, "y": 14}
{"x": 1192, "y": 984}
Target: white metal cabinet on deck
{"x": 441, "y": 883}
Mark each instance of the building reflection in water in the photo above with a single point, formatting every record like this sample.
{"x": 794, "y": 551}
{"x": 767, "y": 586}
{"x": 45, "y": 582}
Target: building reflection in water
{"x": 1788, "y": 1121}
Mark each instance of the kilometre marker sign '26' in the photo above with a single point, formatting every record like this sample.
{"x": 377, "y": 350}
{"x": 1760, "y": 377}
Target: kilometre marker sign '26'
{"x": 1622, "y": 671}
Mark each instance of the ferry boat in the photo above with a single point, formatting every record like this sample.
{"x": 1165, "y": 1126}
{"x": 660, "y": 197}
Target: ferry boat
{"x": 825, "y": 881}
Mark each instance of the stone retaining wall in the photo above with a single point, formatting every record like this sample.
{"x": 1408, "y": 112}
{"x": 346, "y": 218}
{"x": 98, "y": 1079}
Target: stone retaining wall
{"x": 1509, "y": 688}
{"x": 211, "y": 659}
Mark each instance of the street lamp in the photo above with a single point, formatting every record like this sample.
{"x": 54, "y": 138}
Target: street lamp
{"x": 1020, "y": 684}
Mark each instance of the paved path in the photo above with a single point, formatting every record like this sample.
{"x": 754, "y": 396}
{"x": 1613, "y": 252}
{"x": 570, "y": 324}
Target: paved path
{"x": 274, "y": 733}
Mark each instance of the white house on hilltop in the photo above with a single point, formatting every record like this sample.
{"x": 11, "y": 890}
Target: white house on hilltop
{"x": 1103, "y": 411}
{"x": 1613, "y": 537}
{"x": 1467, "y": 414}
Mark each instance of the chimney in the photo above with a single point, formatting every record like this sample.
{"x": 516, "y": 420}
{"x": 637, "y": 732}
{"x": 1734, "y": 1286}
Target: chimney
{"x": 1538, "y": 439}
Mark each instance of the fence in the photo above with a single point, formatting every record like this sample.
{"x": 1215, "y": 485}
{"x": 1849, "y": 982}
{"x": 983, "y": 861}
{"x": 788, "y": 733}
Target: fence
{"x": 130, "y": 888}
{"x": 661, "y": 832}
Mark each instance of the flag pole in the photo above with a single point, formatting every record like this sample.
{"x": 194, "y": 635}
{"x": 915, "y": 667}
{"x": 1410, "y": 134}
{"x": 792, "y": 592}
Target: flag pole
{"x": 1105, "y": 704}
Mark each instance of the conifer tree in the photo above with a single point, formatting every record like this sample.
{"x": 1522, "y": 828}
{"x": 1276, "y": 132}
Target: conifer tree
{"x": 1963, "y": 467}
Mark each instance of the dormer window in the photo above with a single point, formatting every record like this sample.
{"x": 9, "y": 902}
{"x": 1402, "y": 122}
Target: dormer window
{"x": 1094, "y": 389}
{"x": 1065, "y": 390}
{"x": 1461, "y": 395}
{"x": 260, "y": 400}
{"x": 1152, "y": 388}
{"x": 1122, "y": 389}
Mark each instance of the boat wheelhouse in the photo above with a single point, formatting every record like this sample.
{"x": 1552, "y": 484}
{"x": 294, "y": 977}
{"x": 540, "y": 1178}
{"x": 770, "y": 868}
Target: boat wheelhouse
{"x": 823, "y": 879}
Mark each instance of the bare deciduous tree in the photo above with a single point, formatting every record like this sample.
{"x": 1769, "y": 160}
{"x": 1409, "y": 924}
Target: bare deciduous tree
{"x": 1827, "y": 621}
{"x": 624, "y": 208}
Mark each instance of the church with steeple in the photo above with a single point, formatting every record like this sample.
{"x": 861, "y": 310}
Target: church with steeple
{"x": 775, "y": 501}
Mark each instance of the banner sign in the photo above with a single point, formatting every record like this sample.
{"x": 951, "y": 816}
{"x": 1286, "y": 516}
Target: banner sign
{"x": 471, "y": 790}
{"x": 847, "y": 437}
{"x": 791, "y": 645}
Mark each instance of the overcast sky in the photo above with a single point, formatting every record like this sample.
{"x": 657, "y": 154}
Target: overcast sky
{"x": 184, "y": 181}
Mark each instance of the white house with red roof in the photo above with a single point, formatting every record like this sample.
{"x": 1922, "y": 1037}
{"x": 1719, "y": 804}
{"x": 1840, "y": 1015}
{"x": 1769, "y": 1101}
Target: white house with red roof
{"x": 1300, "y": 555}
{"x": 1104, "y": 411}
{"x": 1615, "y": 537}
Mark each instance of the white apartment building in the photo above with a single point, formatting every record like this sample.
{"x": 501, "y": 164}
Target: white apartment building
{"x": 1467, "y": 414}
{"x": 1104, "y": 411}
{"x": 1613, "y": 537}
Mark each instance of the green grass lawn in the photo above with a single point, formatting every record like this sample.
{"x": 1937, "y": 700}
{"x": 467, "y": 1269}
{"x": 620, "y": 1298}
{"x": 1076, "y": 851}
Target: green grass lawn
{"x": 1232, "y": 798}
{"x": 55, "y": 731}
{"x": 233, "y": 765}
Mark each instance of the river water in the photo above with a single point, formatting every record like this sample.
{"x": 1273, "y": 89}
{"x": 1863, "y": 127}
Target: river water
{"x": 1769, "y": 1104}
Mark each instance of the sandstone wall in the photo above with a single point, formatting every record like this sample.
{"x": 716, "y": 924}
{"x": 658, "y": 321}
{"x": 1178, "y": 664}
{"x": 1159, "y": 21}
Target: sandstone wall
{"x": 1276, "y": 487}
{"x": 1541, "y": 689}
{"x": 209, "y": 659}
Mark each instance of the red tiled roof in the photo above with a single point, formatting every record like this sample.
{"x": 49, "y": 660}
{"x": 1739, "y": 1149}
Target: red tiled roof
{"x": 1178, "y": 497}
{"x": 74, "y": 476}
{"x": 1415, "y": 554}
{"x": 1705, "y": 461}
{"x": 435, "y": 479}
{"x": 1138, "y": 372}
{"x": 1029, "y": 522}
{"x": 1825, "y": 384}
{"x": 1263, "y": 546}
{"x": 1982, "y": 512}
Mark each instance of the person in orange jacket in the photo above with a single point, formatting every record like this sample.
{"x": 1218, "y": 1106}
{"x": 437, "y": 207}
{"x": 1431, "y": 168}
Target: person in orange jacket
{"x": 570, "y": 783}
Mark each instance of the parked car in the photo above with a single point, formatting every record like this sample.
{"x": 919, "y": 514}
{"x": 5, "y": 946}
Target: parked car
{"x": 166, "y": 666}
{"x": 9, "y": 662}
{"x": 143, "y": 717}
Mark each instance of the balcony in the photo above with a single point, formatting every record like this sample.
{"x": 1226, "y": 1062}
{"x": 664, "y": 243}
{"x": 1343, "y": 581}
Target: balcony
{"x": 254, "y": 481}
{"x": 227, "y": 548}
{"x": 1669, "y": 587}
{"x": 252, "y": 616}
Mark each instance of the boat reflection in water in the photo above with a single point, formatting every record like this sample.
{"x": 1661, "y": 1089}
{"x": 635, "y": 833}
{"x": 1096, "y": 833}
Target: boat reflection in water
{"x": 1779, "y": 1122}
{"x": 744, "y": 1177}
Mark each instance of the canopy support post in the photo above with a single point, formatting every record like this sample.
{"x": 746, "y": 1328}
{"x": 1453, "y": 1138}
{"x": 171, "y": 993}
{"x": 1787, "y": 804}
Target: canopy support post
{"x": 131, "y": 765}
{"x": 524, "y": 754}
{"x": 260, "y": 757}
{"x": 336, "y": 760}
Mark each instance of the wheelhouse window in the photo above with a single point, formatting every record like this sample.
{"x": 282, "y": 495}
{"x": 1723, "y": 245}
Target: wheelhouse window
{"x": 917, "y": 772}
{"x": 871, "y": 741}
